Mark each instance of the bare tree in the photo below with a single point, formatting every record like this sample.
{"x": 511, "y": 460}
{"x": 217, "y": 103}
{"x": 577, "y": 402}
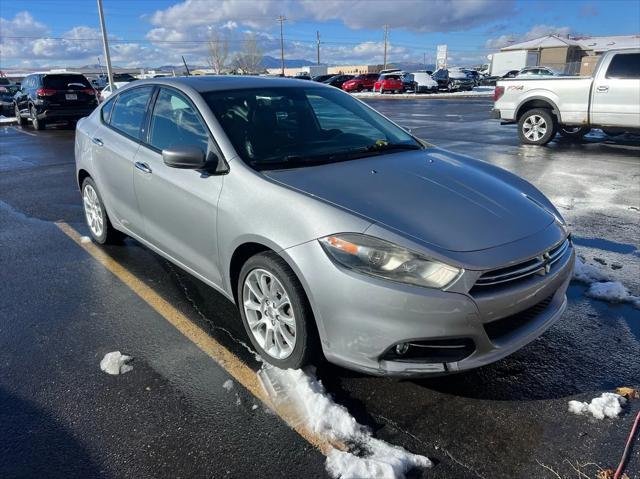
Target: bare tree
{"x": 249, "y": 59}
{"x": 218, "y": 52}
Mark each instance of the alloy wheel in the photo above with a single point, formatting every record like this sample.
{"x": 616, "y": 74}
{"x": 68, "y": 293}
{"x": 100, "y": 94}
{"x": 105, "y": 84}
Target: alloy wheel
{"x": 93, "y": 210}
{"x": 269, "y": 313}
{"x": 534, "y": 127}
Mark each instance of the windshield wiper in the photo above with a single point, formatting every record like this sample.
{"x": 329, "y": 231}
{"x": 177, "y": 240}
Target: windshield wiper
{"x": 384, "y": 146}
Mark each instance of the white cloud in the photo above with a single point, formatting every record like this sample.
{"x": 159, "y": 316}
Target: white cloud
{"x": 536, "y": 31}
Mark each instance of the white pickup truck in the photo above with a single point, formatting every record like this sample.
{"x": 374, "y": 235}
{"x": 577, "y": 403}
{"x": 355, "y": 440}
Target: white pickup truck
{"x": 572, "y": 106}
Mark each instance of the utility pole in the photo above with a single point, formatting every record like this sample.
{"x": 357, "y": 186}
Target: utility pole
{"x": 105, "y": 44}
{"x": 386, "y": 34}
{"x": 318, "y": 45}
{"x": 424, "y": 60}
{"x": 281, "y": 19}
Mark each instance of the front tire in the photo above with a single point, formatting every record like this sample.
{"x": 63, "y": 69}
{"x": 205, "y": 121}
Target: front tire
{"x": 275, "y": 311}
{"x": 573, "y": 133}
{"x": 95, "y": 214}
{"x": 537, "y": 127}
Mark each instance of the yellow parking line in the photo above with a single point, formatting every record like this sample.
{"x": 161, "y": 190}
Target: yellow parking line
{"x": 225, "y": 358}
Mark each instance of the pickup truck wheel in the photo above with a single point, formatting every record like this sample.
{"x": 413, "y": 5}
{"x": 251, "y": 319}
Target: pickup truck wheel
{"x": 537, "y": 127}
{"x": 21, "y": 121}
{"x": 573, "y": 132}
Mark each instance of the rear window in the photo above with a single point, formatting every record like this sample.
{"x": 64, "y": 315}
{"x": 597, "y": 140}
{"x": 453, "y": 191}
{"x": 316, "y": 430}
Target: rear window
{"x": 66, "y": 82}
{"x": 624, "y": 65}
{"x": 391, "y": 77}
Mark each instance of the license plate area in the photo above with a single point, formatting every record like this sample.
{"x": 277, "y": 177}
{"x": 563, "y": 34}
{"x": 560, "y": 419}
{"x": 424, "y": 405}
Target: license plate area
{"x": 71, "y": 96}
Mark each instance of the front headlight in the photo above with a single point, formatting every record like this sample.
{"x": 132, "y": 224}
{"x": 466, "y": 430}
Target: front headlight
{"x": 377, "y": 257}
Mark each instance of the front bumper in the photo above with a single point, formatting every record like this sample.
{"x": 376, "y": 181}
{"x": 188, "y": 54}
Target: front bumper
{"x": 361, "y": 319}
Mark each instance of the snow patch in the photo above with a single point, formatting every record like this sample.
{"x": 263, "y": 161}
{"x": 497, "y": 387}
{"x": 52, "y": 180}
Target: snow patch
{"x": 116, "y": 363}
{"x": 301, "y": 393}
{"x": 7, "y": 120}
{"x": 602, "y": 286}
{"x": 85, "y": 239}
{"x": 477, "y": 92}
{"x": 606, "y": 405}
{"x": 228, "y": 384}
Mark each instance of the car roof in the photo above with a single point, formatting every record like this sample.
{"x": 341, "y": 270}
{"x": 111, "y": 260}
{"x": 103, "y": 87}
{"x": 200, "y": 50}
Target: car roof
{"x": 203, "y": 84}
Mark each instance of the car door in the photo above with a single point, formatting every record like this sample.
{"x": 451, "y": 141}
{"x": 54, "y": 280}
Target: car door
{"x": 616, "y": 92}
{"x": 115, "y": 145}
{"x": 179, "y": 206}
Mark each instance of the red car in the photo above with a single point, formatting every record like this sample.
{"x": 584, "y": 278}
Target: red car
{"x": 361, "y": 82}
{"x": 391, "y": 83}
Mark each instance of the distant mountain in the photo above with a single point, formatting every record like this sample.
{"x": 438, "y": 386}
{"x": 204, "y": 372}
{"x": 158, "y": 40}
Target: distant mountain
{"x": 271, "y": 62}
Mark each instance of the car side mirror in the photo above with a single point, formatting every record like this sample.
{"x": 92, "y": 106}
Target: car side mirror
{"x": 193, "y": 158}
{"x": 184, "y": 157}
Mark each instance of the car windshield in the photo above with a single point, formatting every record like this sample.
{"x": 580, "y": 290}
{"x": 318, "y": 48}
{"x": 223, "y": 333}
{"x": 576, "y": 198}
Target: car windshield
{"x": 440, "y": 74}
{"x": 290, "y": 127}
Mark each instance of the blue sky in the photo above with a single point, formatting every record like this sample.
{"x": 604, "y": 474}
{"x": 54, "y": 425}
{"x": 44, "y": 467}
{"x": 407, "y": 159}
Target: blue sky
{"x": 155, "y": 32}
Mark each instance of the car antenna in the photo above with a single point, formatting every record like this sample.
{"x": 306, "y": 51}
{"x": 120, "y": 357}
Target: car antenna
{"x": 185, "y": 65}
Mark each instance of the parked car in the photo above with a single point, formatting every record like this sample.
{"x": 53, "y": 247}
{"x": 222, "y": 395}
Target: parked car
{"x": 537, "y": 72}
{"x": 7, "y": 91}
{"x": 338, "y": 80}
{"x": 435, "y": 263}
{"x": 473, "y": 75}
{"x": 361, "y": 82}
{"x": 389, "y": 82}
{"x": 424, "y": 82}
{"x": 491, "y": 81}
{"x": 106, "y": 91}
{"x": 322, "y": 78}
{"x": 408, "y": 82}
{"x": 302, "y": 76}
{"x": 572, "y": 106}
{"x": 452, "y": 80}
{"x": 45, "y": 97}
{"x": 123, "y": 77}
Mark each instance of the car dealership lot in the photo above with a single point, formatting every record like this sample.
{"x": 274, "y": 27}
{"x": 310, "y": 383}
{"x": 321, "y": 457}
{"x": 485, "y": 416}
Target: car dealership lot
{"x": 62, "y": 311}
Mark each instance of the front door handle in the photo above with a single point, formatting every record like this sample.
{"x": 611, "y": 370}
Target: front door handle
{"x": 602, "y": 89}
{"x": 97, "y": 141}
{"x": 142, "y": 167}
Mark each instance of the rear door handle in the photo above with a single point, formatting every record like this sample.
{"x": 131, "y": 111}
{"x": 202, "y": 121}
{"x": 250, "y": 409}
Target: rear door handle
{"x": 97, "y": 141}
{"x": 142, "y": 167}
{"x": 602, "y": 89}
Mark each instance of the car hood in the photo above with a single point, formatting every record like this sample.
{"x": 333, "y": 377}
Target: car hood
{"x": 431, "y": 195}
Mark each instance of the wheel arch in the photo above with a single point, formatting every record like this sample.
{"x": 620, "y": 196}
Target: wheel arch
{"x": 82, "y": 174}
{"x": 538, "y": 102}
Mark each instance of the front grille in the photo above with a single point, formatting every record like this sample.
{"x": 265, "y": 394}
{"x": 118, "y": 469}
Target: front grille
{"x": 500, "y": 328}
{"x": 541, "y": 265}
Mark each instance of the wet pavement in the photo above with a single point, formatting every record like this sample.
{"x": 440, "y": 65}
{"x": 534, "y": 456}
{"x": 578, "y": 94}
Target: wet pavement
{"x": 61, "y": 311}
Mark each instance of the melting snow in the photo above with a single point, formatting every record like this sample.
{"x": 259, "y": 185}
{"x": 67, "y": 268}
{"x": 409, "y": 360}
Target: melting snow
{"x": 228, "y": 384}
{"x": 606, "y": 405}
{"x": 85, "y": 239}
{"x": 602, "y": 286}
{"x": 116, "y": 363}
{"x": 302, "y": 393}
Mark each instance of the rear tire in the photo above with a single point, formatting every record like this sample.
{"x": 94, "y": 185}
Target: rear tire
{"x": 573, "y": 133}
{"x": 35, "y": 122}
{"x": 276, "y": 312}
{"x": 537, "y": 127}
{"x": 95, "y": 214}
{"x": 21, "y": 121}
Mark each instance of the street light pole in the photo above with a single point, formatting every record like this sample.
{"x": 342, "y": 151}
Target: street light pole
{"x": 386, "y": 32}
{"x": 281, "y": 19}
{"x": 318, "y": 45}
{"x": 105, "y": 43}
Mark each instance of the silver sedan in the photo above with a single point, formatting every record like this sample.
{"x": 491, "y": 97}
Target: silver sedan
{"x": 334, "y": 230}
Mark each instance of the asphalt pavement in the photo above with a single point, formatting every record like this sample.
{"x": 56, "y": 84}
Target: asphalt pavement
{"x": 61, "y": 311}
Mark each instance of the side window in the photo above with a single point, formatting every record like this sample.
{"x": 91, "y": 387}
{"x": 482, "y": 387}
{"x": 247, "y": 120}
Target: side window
{"x": 625, "y": 65}
{"x": 106, "y": 110}
{"x": 174, "y": 122}
{"x": 129, "y": 111}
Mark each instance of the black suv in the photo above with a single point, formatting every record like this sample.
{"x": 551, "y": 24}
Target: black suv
{"x": 453, "y": 80}
{"x": 54, "y": 96}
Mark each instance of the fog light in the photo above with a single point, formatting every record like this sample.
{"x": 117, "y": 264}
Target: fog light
{"x": 402, "y": 348}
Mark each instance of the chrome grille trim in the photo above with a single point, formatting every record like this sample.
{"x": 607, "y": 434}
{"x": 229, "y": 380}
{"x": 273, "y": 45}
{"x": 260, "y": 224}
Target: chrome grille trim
{"x": 539, "y": 265}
